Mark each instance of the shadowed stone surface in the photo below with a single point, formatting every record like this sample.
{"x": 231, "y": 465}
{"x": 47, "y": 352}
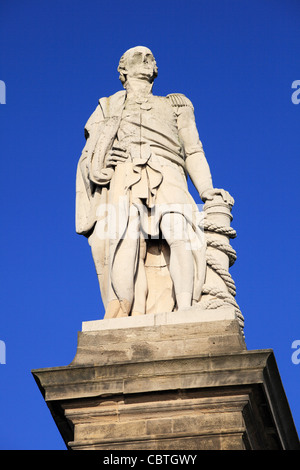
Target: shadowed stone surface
{"x": 173, "y": 386}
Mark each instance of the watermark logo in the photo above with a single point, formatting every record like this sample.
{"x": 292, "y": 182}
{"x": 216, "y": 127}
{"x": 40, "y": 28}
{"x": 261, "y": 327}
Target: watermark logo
{"x": 184, "y": 222}
{"x": 2, "y": 352}
{"x": 296, "y": 94}
{"x": 2, "y": 92}
{"x": 296, "y": 354}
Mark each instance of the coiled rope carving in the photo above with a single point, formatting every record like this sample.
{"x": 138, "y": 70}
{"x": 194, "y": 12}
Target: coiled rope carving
{"x": 219, "y": 297}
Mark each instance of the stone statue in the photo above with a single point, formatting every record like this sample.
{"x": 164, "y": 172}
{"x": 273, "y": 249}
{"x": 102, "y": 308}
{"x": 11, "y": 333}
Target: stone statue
{"x": 132, "y": 200}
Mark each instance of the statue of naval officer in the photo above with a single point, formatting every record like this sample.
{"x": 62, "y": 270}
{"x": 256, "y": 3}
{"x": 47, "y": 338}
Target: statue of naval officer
{"x": 132, "y": 198}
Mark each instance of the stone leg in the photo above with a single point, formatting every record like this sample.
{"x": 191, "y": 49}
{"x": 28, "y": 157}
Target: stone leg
{"x": 123, "y": 269}
{"x": 174, "y": 230}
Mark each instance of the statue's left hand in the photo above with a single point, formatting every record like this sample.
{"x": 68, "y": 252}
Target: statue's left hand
{"x": 116, "y": 155}
{"x": 209, "y": 194}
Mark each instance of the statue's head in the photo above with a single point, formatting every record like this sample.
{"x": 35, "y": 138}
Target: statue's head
{"x": 137, "y": 62}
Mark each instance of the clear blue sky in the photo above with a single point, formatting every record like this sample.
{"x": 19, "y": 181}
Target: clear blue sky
{"x": 236, "y": 60}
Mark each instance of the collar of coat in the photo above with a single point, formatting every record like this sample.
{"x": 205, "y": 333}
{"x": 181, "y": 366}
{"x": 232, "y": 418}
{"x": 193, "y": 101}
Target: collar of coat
{"x": 114, "y": 104}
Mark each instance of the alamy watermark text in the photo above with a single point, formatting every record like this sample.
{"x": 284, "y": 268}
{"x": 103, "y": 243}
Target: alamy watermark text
{"x": 296, "y": 94}
{"x": 2, "y": 352}
{"x": 296, "y": 354}
{"x": 2, "y": 92}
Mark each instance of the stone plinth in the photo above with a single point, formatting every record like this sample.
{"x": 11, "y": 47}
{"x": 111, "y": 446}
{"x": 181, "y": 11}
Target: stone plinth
{"x": 176, "y": 381}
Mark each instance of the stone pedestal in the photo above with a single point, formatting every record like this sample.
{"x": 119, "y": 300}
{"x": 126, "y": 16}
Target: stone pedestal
{"x": 174, "y": 381}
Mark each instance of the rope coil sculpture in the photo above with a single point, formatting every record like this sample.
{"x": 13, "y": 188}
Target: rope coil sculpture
{"x": 222, "y": 291}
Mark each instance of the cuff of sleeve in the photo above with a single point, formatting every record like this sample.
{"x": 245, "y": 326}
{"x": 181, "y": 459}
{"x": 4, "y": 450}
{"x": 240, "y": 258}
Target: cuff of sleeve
{"x": 205, "y": 185}
{"x": 104, "y": 176}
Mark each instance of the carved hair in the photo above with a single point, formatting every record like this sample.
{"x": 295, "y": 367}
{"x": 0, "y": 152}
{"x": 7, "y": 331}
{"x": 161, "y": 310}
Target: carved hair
{"x": 122, "y": 68}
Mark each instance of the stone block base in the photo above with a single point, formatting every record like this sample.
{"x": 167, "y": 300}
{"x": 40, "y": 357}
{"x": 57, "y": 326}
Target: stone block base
{"x": 180, "y": 381}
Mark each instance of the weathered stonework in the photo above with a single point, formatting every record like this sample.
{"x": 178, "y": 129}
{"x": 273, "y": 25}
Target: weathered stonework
{"x": 142, "y": 379}
{"x": 155, "y": 250}
{"x": 173, "y": 386}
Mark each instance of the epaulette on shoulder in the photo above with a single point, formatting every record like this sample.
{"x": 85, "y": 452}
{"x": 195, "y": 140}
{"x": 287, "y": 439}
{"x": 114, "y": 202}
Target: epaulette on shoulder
{"x": 178, "y": 99}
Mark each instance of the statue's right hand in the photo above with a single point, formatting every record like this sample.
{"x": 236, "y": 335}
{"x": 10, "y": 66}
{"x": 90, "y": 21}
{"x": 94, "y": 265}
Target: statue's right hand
{"x": 115, "y": 155}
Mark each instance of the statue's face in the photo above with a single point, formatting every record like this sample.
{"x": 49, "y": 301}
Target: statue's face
{"x": 140, "y": 63}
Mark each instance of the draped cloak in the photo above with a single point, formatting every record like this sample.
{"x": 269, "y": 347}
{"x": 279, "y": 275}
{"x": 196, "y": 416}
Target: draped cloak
{"x": 153, "y": 178}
